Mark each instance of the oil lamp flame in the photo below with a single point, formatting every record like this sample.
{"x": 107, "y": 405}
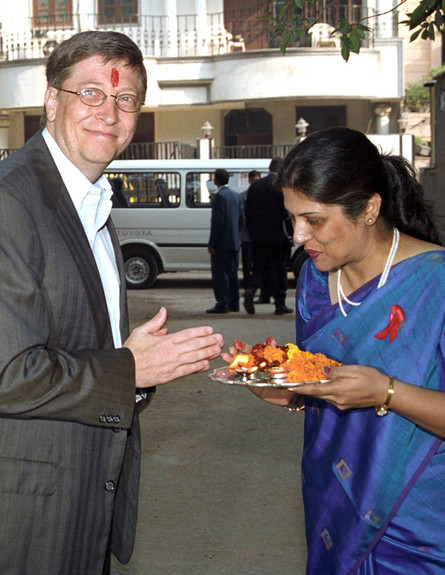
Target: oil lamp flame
{"x": 239, "y": 360}
{"x": 239, "y": 364}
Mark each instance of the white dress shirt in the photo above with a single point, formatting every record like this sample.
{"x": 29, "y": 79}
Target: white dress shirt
{"x": 93, "y": 204}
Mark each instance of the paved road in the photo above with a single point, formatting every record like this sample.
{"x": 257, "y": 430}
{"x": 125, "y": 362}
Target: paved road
{"x": 220, "y": 471}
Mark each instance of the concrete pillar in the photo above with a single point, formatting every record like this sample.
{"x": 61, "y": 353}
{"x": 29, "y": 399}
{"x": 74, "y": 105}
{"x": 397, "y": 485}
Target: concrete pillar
{"x": 201, "y": 26}
{"x": 385, "y": 22}
{"x": 205, "y": 148}
{"x": 4, "y": 130}
{"x": 15, "y": 129}
{"x": 172, "y": 29}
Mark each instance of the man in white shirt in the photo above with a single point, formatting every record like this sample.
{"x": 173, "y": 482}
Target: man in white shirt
{"x": 72, "y": 378}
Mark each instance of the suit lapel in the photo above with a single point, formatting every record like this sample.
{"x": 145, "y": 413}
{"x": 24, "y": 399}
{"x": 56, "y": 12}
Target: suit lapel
{"x": 70, "y": 228}
{"x": 124, "y": 328}
{"x": 73, "y": 234}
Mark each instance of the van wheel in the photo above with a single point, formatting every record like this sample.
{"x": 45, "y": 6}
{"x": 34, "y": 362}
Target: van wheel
{"x": 298, "y": 260}
{"x": 141, "y": 268}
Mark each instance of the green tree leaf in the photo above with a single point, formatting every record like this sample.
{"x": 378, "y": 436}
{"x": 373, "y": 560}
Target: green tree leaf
{"x": 300, "y": 4}
{"x": 415, "y": 35}
{"x": 360, "y": 32}
{"x": 345, "y": 52}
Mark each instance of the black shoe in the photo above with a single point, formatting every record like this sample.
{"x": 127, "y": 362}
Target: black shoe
{"x": 217, "y": 309}
{"x": 261, "y": 300}
{"x": 283, "y": 309}
{"x": 234, "y": 308}
{"x": 248, "y": 302}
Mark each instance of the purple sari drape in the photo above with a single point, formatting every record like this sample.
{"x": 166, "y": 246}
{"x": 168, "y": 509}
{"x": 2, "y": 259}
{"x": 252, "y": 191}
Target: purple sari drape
{"x": 374, "y": 487}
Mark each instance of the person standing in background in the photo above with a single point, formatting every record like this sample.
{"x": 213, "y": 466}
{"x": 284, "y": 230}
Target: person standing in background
{"x": 266, "y": 220}
{"x": 224, "y": 244}
{"x": 246, "y": 242}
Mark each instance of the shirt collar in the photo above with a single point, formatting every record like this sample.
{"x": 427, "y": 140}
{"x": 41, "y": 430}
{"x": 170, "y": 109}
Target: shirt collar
{"x": 92, "y": 201}
{"x": 77, "y": 184}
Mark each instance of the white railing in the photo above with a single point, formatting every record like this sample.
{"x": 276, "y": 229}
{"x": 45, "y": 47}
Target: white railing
{"x": 155, "y": 35}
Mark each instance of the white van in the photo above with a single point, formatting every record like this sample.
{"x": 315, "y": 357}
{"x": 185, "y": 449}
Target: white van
{"x": 162, "y": 212}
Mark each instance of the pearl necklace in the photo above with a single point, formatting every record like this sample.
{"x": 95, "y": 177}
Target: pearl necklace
{"x": 383, "y": 278}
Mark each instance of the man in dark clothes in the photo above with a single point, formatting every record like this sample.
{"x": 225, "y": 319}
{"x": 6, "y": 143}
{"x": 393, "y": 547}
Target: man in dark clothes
{"x": 246, "y": 243}
{"x": 266, "y": 221}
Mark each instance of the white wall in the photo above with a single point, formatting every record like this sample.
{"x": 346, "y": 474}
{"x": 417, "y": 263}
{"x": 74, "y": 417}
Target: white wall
{"x": 23, "y": 86}
{"x": 302, "y": 72}
{"x": 10, "y": 10}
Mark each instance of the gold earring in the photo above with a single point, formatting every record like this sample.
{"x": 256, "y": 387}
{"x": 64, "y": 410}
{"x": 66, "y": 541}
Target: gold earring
{"x": 369, "y": 221}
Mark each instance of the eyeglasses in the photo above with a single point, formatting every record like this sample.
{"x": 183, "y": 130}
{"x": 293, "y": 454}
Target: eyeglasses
{"x": 95, "y": 97}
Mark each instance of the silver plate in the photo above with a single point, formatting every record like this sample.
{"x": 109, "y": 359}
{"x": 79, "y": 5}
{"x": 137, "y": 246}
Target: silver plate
{"x": 257, "y": 379}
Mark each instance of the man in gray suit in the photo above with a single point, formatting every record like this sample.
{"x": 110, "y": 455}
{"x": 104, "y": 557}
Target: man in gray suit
{"x": 72, "y": 378}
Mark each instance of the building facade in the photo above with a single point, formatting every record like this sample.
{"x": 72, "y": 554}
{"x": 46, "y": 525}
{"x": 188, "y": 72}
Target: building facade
{"x": 212, "y": 67}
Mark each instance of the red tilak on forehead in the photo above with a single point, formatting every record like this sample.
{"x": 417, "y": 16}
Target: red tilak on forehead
{"x": 114, "y": 77}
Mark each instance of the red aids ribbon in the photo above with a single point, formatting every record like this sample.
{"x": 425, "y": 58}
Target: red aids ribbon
{"x": 396, "y": 317}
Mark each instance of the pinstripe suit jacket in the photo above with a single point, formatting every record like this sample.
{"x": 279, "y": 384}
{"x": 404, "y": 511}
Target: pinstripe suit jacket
{"x": 69, "y": 433}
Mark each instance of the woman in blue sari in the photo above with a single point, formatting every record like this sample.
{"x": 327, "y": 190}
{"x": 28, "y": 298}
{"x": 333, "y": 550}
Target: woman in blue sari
{"x": 371, "y": 296}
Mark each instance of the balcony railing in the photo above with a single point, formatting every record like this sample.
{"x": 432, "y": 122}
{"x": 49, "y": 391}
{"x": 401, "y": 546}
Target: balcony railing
{"x": 179, "y": 150}
{"x": 252, "y": 151}
{"x": 158, "y": 151}
{"x": 157, "y": 36}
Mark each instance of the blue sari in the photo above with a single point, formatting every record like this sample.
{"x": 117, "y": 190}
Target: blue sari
{"x": 374, "y": 487}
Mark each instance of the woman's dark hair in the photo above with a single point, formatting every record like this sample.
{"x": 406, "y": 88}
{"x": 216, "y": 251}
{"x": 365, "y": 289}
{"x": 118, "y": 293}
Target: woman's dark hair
{"x": 109, "y": 45}
{"x": 342, "y": 166}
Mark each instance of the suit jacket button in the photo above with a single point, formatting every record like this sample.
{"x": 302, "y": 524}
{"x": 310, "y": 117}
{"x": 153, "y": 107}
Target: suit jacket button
{"x": 109, "y": 486}
{"x": 102, "y": 419}
{"x": 110, "y": 419}
{"x": 116, "y": 419}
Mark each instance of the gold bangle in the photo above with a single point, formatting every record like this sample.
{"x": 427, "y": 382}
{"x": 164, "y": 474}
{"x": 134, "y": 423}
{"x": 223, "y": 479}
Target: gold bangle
{"x": 383, "y": 409}
{"x": 296, "y": 403}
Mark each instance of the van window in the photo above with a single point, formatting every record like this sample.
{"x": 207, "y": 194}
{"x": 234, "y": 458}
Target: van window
{"x": 200, "y": 187}
{"x": 145, "y": 189}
